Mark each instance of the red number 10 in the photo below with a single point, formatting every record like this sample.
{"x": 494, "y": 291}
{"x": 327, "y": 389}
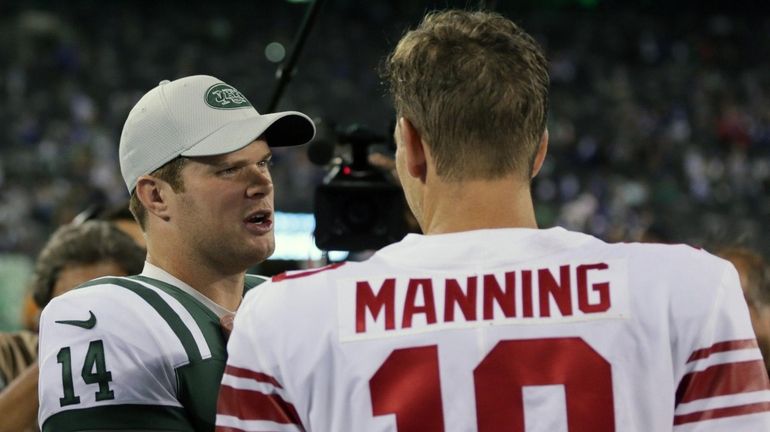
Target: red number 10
{"x": 408, "y": 385}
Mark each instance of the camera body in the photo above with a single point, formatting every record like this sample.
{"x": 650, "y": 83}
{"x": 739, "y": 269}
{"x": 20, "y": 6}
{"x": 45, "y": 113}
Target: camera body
{"x": 357, "y": 207}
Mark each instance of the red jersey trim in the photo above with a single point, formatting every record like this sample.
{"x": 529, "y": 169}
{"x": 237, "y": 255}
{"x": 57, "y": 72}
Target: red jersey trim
{"x": 254, "y": 405}
{"x": 721, "y": 413}
{"x": 722, "y": 347}
{"x": 723, "y": 379}
{"x": 286, "y": 276}
{"x": 256, "y": 376}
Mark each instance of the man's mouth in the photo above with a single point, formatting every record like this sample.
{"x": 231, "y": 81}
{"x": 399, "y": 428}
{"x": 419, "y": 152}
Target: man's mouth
{"x": 260, "y": 220}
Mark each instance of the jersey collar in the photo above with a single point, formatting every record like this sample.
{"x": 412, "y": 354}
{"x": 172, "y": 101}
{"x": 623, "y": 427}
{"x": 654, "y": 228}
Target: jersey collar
{"x": 155, "y": 272}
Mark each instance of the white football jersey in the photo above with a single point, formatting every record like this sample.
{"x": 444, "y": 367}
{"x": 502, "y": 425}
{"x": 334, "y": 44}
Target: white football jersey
{"x": 499, "y": 330}
{"x": 128, "y": 354}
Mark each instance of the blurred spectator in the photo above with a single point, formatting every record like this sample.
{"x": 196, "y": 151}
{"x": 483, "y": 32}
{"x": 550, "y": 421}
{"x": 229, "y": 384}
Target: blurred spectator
{"x": 78, "y": 253}
{"x": 119, "y": 215}
{"x": 74, "y": 254}
{"x": 755, "y": 282}
{"x": 17, "y": 351}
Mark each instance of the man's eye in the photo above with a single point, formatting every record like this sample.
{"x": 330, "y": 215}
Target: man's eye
{"x": 266, "y": 163}
{"x": 231, "y": 170}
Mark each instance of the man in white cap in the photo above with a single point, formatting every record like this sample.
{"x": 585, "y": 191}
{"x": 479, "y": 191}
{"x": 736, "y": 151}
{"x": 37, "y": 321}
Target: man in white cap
{"x": 147, "y": 352}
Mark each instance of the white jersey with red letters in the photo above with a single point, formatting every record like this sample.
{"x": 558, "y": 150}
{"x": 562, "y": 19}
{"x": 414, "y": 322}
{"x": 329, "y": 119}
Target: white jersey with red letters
{"x": 499, "y": 330}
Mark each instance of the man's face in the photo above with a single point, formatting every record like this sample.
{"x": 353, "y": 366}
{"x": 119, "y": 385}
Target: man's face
{"x": 225, "y": 213}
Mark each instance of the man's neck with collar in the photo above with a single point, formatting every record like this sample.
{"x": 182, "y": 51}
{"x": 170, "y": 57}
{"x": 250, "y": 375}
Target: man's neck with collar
{"x": 225, "y": 291}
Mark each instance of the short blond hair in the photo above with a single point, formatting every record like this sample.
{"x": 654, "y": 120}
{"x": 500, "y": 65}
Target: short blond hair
{"x": 475, "y": 85}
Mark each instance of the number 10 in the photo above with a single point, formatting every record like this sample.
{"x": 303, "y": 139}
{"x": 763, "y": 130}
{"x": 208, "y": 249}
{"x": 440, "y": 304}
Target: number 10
{"x": 408, "y": 385}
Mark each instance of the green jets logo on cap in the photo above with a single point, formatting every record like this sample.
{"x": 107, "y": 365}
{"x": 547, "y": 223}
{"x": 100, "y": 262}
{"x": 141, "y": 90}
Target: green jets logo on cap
{"x": 223, "y": 96}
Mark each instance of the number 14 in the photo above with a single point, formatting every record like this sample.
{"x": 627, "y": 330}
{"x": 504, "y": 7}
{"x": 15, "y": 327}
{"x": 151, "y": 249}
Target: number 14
{"x": 408, "y": 385}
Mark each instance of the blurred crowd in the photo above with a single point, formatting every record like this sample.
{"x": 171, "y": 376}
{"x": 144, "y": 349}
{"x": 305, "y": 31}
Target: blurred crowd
{"x": 659, "y": 124}
{"x": 660, "y": 128}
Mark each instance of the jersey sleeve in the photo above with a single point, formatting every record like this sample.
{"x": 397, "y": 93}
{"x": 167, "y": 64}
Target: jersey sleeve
{"x": 107, "y": 362}
{"x": 253, "y": 395}
{"x": 724, "y": 385}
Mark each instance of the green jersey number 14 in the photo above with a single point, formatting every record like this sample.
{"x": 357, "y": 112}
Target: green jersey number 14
{"x": 94, "y": 372}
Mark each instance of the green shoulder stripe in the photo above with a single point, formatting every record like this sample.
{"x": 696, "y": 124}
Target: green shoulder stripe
{"x": 120, "y": 418}
{"x": 164, "y": 310}
{"x": 206, "y": 320}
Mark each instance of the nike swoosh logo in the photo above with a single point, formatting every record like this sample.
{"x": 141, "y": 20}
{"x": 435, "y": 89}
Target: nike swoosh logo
{"x": 86, "y": 324}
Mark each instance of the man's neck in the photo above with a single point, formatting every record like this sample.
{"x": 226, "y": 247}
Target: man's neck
{"x": 481, "y": 204}
{"x": 223, "y": 288}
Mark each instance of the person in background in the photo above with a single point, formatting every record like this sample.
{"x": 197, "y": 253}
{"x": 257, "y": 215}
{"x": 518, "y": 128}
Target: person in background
{"x": 74, "y": 254}
{"x": 485, "y": 322}
{"x": 195, "y": 156}
{"x": 753, "y": 270}
{"x": 120, "y": 215}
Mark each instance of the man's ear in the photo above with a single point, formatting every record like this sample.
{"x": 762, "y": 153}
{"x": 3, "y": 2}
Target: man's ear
{"x": 540, "y": 156}
{"x": 152, "y": 193}
{"x": 414, "y": 149}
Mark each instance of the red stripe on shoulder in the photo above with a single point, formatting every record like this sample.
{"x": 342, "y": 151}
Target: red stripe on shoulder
{"x": 256, "y": 376}
{"x": 228, "y": 429}
{"x": 722, "y": 412}
{"x": 285, "y": 276}
{"x": 254, "y": 405}
{"x": 722, "y": 347}
{"x": 723, "y": 379}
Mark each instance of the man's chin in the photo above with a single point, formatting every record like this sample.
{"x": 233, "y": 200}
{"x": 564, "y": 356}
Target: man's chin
{"x": 261, "y": 252}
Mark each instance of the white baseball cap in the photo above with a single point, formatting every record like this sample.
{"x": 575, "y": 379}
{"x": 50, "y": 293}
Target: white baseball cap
{"x": 199, "y": 116}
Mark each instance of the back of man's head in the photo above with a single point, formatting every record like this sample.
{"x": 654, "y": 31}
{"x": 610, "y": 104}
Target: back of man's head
{"x": 475, "y": 85}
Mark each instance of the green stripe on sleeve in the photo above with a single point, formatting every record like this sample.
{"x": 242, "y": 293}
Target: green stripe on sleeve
{"x": 119, "y": 418}
{"x": 164, "y": 310}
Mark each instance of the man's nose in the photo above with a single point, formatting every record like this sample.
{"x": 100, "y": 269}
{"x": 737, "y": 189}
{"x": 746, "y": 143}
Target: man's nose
{"x": 260, "y": 181}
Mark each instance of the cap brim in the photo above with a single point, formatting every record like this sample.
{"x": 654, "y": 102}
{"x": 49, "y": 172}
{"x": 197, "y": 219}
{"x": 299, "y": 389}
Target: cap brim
{"x": 288, "y": 128}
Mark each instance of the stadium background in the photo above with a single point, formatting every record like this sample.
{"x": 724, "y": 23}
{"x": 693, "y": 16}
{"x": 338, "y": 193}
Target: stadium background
{"x": 659, "y": 122}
